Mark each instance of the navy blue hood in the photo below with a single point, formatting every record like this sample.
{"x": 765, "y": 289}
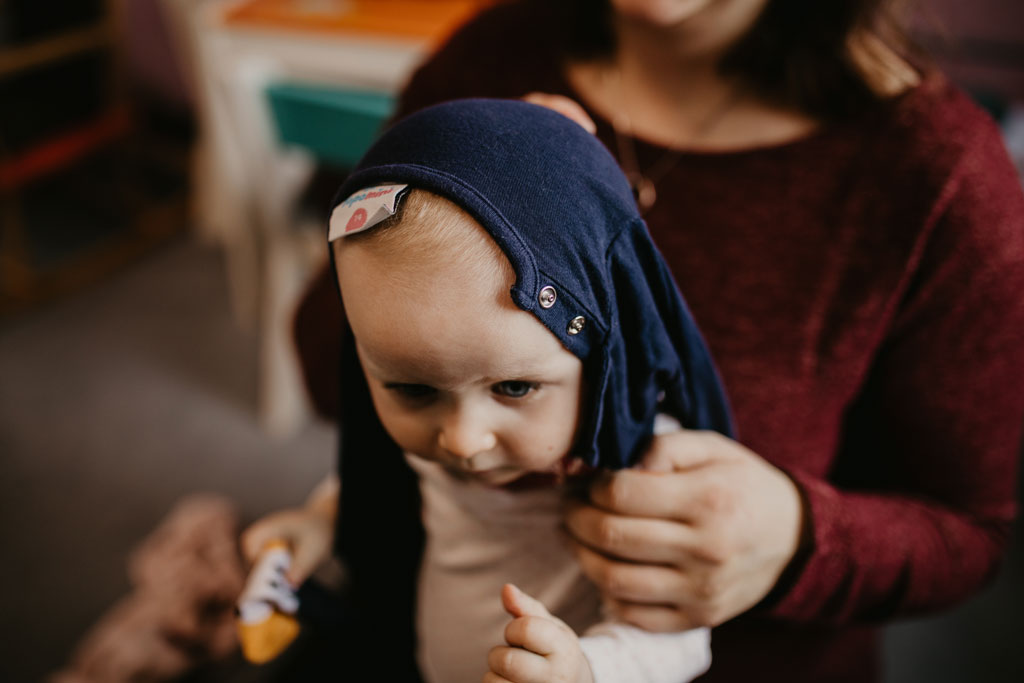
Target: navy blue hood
{"x": 556, "y": 203}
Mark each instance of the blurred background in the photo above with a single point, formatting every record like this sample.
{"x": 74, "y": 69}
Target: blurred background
{"x": 163, "y": 190}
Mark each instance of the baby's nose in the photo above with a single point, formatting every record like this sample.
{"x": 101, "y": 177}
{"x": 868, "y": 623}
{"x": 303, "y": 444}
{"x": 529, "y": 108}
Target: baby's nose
{"x": 465, "y": 438}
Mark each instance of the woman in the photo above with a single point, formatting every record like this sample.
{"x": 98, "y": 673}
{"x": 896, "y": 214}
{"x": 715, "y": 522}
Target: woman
{"x": 848, "y": 232}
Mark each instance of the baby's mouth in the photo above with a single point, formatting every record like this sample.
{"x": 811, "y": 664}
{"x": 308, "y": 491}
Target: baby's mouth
{"x": 490, "y": 473}
{"x": 478, "y": 464}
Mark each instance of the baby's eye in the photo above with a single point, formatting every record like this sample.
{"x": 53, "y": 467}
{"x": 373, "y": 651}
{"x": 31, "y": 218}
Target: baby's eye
{"x": 514, "y": 388}
{"x": 411, "y": 390}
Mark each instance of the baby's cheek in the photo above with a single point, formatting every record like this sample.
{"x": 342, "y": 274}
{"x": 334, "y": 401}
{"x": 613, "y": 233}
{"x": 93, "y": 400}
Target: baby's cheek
{"x": 539, "y": 452}
{"x": 409, "y": 434}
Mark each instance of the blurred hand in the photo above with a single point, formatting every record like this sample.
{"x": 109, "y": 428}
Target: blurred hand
{"x": 699, "y": 533}
{"x": 541, "y": 648}
{"x": 564, "y": 106}
{"x": 307, "y": 531}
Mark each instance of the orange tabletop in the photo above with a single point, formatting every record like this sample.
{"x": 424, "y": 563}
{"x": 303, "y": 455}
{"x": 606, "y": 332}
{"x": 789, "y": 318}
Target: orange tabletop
{"x": 430, "y": 20}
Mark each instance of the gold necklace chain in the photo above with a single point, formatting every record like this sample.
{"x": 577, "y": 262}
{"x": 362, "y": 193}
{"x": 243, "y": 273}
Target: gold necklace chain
{"x": 644, "y": 182}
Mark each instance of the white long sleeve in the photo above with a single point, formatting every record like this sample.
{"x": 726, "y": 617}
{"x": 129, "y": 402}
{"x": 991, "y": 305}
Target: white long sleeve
{"x": 620, "y": 653}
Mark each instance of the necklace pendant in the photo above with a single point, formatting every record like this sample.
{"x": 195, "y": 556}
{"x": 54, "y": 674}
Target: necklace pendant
{"x": 644, "y": 193}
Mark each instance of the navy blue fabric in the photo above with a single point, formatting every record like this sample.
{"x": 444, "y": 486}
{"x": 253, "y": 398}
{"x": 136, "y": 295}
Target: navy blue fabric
{"x": 555, "y": 201}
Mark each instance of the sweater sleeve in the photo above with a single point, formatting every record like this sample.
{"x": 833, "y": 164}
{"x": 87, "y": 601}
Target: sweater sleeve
{"x": 940, "y": 416}
{"x": 620, "y": 653}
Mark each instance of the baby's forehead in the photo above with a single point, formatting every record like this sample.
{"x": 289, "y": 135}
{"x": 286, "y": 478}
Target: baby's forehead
{"x": 430, "y": 239}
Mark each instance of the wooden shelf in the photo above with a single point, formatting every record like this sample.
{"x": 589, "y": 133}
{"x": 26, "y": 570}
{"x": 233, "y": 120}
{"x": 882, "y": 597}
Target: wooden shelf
{"x": 23, "y": 57}
{"x": 27, "y": 278}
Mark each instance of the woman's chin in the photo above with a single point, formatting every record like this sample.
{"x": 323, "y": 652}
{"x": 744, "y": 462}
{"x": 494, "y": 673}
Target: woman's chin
{"x": 659, "y": 12}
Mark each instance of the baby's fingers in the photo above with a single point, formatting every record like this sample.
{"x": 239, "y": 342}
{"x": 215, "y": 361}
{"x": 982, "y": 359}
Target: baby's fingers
{"x": 258, "y": 536}
{"x": 491, "y": 677}
{"x": 541, "y": 635}
{"x": 311, "y": 550}
{"x": 520, "y": 604}
{"x": 517, "y": 666}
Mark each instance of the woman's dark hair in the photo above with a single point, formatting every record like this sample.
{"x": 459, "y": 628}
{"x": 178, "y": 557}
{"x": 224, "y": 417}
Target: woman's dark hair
{"x": 814, "y": 55}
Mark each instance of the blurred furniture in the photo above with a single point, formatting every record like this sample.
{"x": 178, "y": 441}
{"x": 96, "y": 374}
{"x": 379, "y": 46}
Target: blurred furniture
{"x": 309, "y": 117}
{"x": 62, "y": 102}
{"x": 256, "y": 65}
{"x": 979, "y": 44}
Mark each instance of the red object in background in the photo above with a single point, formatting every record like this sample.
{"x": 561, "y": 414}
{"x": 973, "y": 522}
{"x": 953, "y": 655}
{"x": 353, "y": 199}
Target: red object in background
{"x": 64, "y": 149}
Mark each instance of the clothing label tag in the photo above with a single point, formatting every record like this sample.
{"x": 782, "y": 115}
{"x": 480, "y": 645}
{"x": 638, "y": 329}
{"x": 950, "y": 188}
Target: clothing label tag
{"x": 364, "y": 209}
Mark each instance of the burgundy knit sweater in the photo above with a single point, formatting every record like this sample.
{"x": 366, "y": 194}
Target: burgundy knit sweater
{"x": 862, "y": 292}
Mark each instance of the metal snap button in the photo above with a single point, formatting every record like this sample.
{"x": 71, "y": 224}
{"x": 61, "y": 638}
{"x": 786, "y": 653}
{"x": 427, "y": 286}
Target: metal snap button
{"x": 576, "y": 324}
{"x": 547, "y": 297}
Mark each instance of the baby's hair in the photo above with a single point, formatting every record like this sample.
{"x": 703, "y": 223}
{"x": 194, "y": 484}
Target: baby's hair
{"x": 428, "y": 227}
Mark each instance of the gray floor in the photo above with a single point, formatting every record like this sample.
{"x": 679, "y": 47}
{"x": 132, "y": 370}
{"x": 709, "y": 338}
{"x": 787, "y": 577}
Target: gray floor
{"x": 114, "y": 404}
{"x": 118, "y": 401}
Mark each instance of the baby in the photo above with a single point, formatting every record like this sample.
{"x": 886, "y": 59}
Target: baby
{"x": 512, "y": 328}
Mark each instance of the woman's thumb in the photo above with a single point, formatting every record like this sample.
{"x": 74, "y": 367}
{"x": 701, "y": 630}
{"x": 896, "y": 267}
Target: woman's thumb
{"x": 519, "y": 604}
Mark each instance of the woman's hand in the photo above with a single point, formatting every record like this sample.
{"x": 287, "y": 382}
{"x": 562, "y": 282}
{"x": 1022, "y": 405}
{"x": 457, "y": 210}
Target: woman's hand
{"x": 563, "y": 105}
{"x": 698, "y": 534}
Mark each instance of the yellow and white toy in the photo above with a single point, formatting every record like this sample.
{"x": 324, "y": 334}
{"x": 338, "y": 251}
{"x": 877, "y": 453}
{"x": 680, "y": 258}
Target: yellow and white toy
{"x": 267, "y": 607}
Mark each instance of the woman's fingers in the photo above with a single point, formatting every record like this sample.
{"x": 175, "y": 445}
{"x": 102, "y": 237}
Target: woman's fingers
{"x": 673, "y": 480}
{"x": 659, "y": 598}
{"x": 707, "y": 530}
{"x": 639, "y": 539}
{"x": 564, "y": 106}
{"x": 626, "y": 581}
{"x": 636, "y": 493}
{"x": 684, "y": 449}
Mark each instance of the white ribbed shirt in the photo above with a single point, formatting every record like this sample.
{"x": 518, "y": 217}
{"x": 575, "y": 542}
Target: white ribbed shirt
{"x": 478, "y": 539}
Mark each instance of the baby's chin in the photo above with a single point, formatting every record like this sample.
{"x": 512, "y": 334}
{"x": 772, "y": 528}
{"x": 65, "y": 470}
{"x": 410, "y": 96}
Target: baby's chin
{"x": 496, "y": 477}
{"x": 515, "y": 478}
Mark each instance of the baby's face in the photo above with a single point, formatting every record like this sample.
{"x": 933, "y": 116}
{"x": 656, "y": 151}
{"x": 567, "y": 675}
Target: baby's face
{"x": 459, "y": 374}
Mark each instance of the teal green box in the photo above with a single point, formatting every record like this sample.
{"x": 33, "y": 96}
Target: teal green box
{"x": 336, "y": 125}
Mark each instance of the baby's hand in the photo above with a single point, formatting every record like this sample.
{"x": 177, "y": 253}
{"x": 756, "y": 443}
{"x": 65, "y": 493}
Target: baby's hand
{"x": 307, "y": 533}
{"x": 541, "y": 648}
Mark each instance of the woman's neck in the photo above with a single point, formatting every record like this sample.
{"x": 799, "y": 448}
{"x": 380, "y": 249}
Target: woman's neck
{"x": 683, "y": 103}
{"x": 651, "y": 62}
{"x": 663, "y": 84}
